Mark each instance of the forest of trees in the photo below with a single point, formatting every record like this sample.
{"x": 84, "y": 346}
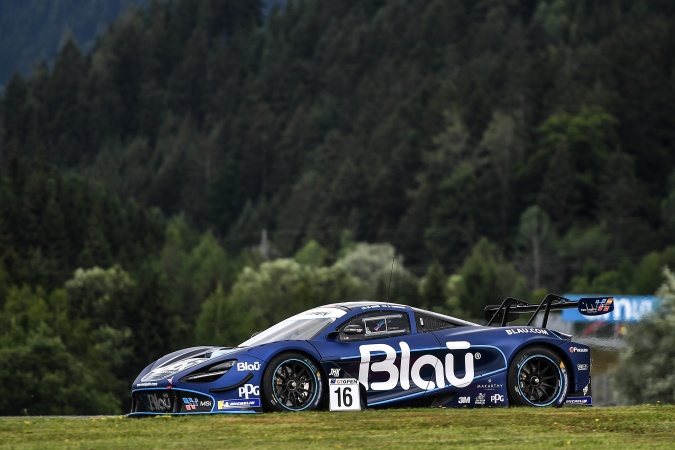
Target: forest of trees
{"x": 31, "y": 31}
{"x": 494, "y": 147}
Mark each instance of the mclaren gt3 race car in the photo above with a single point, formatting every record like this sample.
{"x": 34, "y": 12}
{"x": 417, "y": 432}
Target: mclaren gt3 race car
{"x": 358, "y": 355}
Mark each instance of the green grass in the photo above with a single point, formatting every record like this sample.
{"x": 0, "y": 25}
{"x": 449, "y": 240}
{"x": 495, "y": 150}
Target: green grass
{"x": 518, "y": 428}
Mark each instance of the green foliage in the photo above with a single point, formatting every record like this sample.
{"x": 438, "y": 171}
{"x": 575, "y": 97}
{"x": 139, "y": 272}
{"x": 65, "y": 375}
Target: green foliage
{"x": 266, "y": 295}
{"x": 99, "y": 295}
{"x": 575, "y": 148}
{"x": 628, "y": 278}
{"x": 33, "y": 31}
{"x": 381, "y": 276}
{"x": 51, "y": 379}
{"x": 538, "y": 242}
{"x": 432, "y": 287}
{"x": 405, "y": 129}
{"x": 195, "y": 267}
{"x": 646, "y": 371}
{"x": 514, "y": 140}
{"x": 64, "y": 364}
{"x": 484, "y": 279}
{"x": 312, "y": 254}
{"x": 668, "y": 207}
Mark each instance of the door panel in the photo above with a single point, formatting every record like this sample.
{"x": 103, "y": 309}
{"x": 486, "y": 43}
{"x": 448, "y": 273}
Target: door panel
{"x": 390, "y": 368}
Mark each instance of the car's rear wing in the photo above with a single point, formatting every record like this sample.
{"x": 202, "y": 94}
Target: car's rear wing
{"x": 511, "y": 308}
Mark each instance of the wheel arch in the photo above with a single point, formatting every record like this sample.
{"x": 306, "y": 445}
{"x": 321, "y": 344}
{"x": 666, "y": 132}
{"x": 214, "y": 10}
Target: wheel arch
{"x": 555, "y": 349}
{"x": 312, "y": 356}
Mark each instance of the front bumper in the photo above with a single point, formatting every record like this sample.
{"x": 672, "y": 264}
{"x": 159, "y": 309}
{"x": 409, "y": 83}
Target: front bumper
{"x": 178, "y": 401}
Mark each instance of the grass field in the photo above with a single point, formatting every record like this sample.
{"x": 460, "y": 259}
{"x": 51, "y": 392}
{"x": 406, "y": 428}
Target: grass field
{"x": 516, "y": 428}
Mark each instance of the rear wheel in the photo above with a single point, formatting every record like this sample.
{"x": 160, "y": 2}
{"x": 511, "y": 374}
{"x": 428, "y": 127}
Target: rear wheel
{"x": 292, "y": 382}
{"x": 537, "y": 377}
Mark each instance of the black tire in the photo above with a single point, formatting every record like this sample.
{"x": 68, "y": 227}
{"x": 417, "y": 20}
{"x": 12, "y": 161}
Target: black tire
{"x": 537, "y": 377}
{"x": 292, "y": 382}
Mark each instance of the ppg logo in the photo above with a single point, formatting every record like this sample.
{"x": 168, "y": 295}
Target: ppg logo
{"x": 249, "y": 389}
{"x": 243, "y": 366}
{"x": 497, "y": 398}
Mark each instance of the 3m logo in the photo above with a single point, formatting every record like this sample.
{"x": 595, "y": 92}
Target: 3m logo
{"x": 464, "y": 400}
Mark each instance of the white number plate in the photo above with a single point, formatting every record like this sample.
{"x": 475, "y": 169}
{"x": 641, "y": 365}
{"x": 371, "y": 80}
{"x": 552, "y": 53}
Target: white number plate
{"x": 345, "y": 394}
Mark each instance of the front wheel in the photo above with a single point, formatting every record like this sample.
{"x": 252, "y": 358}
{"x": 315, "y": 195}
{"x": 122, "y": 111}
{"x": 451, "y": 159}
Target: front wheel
{"x": 292, "y": 382}
{"x": 537, "y": 377}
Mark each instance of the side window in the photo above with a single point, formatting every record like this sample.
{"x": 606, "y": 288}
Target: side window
{"x": 374, "y": 325}
{"x": 429, "y": 323}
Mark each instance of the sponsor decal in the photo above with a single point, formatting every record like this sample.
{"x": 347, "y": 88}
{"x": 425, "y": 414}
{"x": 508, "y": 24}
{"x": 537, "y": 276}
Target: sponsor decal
{"x": 563, "y": 388}
{"x": 586, "y": 388}
{"x": 628, "y": 308}
{"x": 578, "y": 350}
{"x": 596, "y": 306}
{"x": 497, "y": 398}
{"x": 236, "y": 403}
{"x": 158, "y": 402}
{"x": 480, "y": 399}
{"x": 145, "y": 384}
{"x": 407, "y": 373}
{"x": 384, "y": 305}
{"x": 321, "y": 312}
{"x": 170, "y": 380}
{"x": 582, "y": 366}
{"x": 464, "y": 400}
{"x": 195, "y": 404}
{"x": 344, "y": 394}
{"x": 190, "y": 403}
{"x": 244, "y": 366}
{"x": 334, "y": 372}
{"x": 490, "y": 386}
{"x": 526, "y": 331}
{"x": 248, "y": 389}
{"x": 342, "y": 381}
{"x": 578, "y": 401}
{"x": 318, "y": 313}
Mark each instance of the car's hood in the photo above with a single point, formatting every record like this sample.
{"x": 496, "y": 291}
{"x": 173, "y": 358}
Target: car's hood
{"x": 181, "y": 360}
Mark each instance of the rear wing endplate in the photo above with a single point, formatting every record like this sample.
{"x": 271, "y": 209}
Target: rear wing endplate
{"x": 511, "y": 308}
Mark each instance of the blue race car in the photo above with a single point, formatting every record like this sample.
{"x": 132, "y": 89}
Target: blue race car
{"x": 357, "y": 355}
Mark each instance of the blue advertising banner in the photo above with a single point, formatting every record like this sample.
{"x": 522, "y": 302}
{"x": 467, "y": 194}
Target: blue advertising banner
{"x": 627, "y": 308}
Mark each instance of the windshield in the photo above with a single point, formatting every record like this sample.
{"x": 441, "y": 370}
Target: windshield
{"x": 299, "y": 327}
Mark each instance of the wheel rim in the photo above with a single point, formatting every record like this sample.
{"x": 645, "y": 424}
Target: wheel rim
{"x": 294, "y": 384}
{"x": 539, "y": 380}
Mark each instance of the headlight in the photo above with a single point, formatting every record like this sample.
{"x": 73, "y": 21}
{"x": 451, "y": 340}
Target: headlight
{"x": 208, "y": 374}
